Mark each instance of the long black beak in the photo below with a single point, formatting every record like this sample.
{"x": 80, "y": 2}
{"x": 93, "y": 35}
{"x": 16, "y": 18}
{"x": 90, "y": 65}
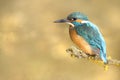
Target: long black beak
{"x": 61, "y": 21}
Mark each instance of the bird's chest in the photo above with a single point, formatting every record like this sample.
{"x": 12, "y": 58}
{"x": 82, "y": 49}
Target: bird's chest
{"x": 79, "y": 41}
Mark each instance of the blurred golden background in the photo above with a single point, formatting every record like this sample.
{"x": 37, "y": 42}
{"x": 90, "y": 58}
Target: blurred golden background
{"x": 32, "y": 47}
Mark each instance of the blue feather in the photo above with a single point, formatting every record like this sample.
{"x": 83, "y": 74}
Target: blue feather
{"x": 77, "y": 15}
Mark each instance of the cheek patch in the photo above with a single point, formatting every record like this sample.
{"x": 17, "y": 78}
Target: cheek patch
{"x": 84, "y": 22}
{"x": 79, "y": 20}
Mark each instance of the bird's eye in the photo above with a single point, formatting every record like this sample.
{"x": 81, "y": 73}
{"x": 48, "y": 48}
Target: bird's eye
{"x": 73, "y": 19}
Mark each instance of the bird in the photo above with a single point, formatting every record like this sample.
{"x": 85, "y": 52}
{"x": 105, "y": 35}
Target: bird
{"x": 86, "y": 35}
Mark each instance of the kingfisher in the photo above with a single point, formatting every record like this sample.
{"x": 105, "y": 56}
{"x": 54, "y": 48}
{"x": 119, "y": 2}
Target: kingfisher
{"x": 85, "y": 35}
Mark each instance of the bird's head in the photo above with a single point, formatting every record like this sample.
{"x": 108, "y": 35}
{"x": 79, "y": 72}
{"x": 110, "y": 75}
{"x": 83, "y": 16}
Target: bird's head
{"x": 74, "y": 19}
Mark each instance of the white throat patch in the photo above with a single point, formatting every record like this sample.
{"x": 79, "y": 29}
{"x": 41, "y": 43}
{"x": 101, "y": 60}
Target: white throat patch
{"x": 70, "y": 24}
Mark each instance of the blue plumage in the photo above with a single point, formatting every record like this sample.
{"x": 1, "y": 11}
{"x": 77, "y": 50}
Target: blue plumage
{"x": 77, "y": 15}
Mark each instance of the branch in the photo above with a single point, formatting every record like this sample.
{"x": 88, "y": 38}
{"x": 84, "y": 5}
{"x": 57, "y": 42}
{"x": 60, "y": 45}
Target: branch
{"x": 73, "y": 51}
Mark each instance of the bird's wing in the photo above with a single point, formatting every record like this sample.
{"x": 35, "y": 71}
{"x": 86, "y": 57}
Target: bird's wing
{"x": 92, "y": 35}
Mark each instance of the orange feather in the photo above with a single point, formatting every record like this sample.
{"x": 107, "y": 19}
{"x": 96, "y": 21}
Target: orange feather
{"x": 80, "y": 42}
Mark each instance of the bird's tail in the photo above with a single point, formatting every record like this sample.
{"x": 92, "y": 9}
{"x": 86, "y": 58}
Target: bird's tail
{"x": 104, "y": 58}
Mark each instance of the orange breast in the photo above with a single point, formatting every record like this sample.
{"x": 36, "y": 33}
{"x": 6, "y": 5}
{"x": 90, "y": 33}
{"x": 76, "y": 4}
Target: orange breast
{"x": 80, "y": 42}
